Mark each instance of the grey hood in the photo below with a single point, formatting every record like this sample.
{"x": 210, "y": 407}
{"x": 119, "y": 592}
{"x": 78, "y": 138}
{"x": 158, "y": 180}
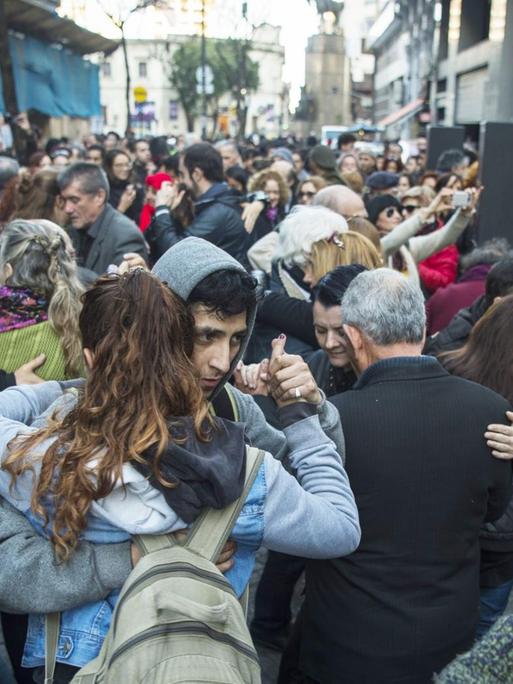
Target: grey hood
{"x": 186, "y": 264}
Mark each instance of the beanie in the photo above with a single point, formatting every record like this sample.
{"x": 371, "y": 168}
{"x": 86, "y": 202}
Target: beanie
{"x": 376, "y": 205}
{"x": 323, "y": 157}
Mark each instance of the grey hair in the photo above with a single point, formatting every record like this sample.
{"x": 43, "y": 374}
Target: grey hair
{"x": 40, "y": 255}
{"x": 301, "y": 228}
{"x": 386, "y": 307}
{"x": 90, "y": 178}
{"x": 490, "y": 252}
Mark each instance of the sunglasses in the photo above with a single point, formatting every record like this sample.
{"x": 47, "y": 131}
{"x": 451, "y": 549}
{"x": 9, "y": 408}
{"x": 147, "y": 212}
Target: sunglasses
{"x": 391, "y": 211}
{"x": 409, "y": 208}
{"x": 307, "y": 194}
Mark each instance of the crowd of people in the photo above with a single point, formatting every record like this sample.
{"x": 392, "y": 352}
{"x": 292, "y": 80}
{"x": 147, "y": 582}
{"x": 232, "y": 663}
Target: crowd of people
{"x": 163, "y": 309}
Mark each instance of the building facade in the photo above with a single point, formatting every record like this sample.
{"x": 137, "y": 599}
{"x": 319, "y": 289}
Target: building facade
{"x": 446, "y": 62}
{"x": 401, "y": 39}
{"x": 49, "y": 76}
{"x": 474, "y": 68}
{"x": 160, "y": 110}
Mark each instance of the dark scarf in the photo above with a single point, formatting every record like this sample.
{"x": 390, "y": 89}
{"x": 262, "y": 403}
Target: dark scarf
{"x": 20, "y": 307}
{"x": 207, "y": 474}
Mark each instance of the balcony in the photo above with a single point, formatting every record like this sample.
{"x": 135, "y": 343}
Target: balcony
{"x": 385, "y": 26}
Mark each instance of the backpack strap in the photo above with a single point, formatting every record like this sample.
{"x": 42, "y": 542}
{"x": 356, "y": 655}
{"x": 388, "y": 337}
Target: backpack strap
{"x": 218, "y": 523}
{"x": 211, "y": 530}
{"x": 52, "y": 627}
{"x": 224, "y": 404}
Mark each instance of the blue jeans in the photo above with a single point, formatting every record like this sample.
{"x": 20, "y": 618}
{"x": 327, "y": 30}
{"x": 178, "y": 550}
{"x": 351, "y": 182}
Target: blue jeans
{"x": 492, "y": 603}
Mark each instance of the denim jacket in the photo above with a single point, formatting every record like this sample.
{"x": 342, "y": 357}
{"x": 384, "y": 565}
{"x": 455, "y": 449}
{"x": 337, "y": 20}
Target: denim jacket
{"x": 314, "y": 516}
{"x": 83, "y": 629}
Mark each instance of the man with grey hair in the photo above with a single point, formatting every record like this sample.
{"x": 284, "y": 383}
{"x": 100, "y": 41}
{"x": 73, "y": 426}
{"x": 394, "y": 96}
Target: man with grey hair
{"x": 101, "y": 235}
{"x": 405, "y": 603}
{"x": 230, "y": 154}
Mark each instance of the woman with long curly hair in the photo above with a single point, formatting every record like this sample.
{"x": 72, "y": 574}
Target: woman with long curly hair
{"x": 487, "y": 358}
{"x": 272, "y": 183}
{"x": 39, "y": 299}
{"x": 135, "y": 451}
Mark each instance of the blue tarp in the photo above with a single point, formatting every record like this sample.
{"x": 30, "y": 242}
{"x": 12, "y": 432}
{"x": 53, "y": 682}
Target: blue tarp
{"x": 53, "y": 80}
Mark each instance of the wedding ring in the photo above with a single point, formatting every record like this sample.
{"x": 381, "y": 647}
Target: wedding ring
{"x": 298, "y": 393}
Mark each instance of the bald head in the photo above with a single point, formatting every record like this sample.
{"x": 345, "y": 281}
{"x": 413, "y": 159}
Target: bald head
{"x": 342, "y": 200}
{"x": 285, "y": 169}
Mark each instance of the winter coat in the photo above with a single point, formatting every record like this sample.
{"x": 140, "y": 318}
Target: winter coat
{"x": 447, "y": 301}
{"x": 218, "y": 220}
{"x": 457, "y": 332}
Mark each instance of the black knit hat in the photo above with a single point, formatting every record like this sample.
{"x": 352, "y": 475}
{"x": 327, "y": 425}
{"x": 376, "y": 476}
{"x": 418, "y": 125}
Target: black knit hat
{"x": 323, "y": 157}
{"x": 376, "y": 205}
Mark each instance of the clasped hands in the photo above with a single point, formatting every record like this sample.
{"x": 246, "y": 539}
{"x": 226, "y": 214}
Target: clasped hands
{"x": 285, "y": 377}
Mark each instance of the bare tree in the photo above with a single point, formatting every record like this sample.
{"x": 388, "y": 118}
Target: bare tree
{"x": 119, "y": 20}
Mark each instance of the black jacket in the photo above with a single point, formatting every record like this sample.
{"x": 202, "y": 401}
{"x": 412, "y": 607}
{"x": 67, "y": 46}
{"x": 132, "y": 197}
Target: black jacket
{"x": 117, "y": 188}
{"x": 458, "y": 330}
{"x": 290, "y": 315}
{"x": 405, "y": 602}
{"x": 218, "y": 220}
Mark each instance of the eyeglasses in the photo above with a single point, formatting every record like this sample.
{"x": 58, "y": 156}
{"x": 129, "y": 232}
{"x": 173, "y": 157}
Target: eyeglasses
{"x": 307, "y": 194}
{"x": 409, "y": 208}
{"x": 391, "y": 211}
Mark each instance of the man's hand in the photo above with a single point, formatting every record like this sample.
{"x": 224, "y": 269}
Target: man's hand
{"x": 500, "y": 439}
{"x": 130, "y": 262}
{"x": 224, "y": 562}
{"x": 291, "y": 380}
{"x": 250, "y": 214}
{"x": 169, "y": 196}
{"x": 252, "y": 379}
{"x": 25, "y": 374}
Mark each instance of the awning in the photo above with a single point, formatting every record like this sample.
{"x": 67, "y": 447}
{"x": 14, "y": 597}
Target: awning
{"x": 52, "y": 79}
{"x": 33, "y": 18}
{"x": 405, "y": 112}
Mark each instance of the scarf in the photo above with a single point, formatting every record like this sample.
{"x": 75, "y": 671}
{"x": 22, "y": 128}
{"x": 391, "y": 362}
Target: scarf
{"x": 20, "y": 307}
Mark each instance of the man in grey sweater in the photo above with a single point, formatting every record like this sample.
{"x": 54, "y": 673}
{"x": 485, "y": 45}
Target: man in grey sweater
{"x": 203, "y": 275}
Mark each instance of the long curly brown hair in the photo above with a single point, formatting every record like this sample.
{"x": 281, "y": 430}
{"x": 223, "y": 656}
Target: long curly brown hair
{"x": 141, "y": 380}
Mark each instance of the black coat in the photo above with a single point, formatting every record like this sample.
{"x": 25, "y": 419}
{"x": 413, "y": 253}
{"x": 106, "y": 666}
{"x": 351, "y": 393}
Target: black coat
{"x": 405, "y": 602}
{"x": 218, "y": 220}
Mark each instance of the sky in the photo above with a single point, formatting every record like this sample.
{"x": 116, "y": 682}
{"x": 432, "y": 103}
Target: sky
{"x": 298, "y": 19}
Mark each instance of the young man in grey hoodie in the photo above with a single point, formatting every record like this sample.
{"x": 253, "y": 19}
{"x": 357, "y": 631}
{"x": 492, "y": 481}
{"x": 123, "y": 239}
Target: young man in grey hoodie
{"x": 203, "y": 275}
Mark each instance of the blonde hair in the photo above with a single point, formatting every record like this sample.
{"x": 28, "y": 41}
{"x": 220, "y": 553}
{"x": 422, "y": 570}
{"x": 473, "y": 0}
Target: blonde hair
{"x": 258, "y": 181}
{"x": 317, "y": 181}
{"x": 39, "y": 253}
{"x": 342, "y": 250}
{"x": 354, "y": 180}
{"x": 361, "y": 225}
{"x": 423, "y": 193}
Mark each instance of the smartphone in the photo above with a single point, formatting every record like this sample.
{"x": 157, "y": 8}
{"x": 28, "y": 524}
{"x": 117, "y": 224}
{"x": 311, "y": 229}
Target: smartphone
{"x": 461, "y": 199}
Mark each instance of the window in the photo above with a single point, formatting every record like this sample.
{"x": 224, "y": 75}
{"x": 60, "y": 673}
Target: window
{"x": 143, "y": 70}
{"x": 106, "y": 69}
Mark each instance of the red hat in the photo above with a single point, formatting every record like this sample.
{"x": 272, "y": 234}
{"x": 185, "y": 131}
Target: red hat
{"x": 155, "y": 181}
